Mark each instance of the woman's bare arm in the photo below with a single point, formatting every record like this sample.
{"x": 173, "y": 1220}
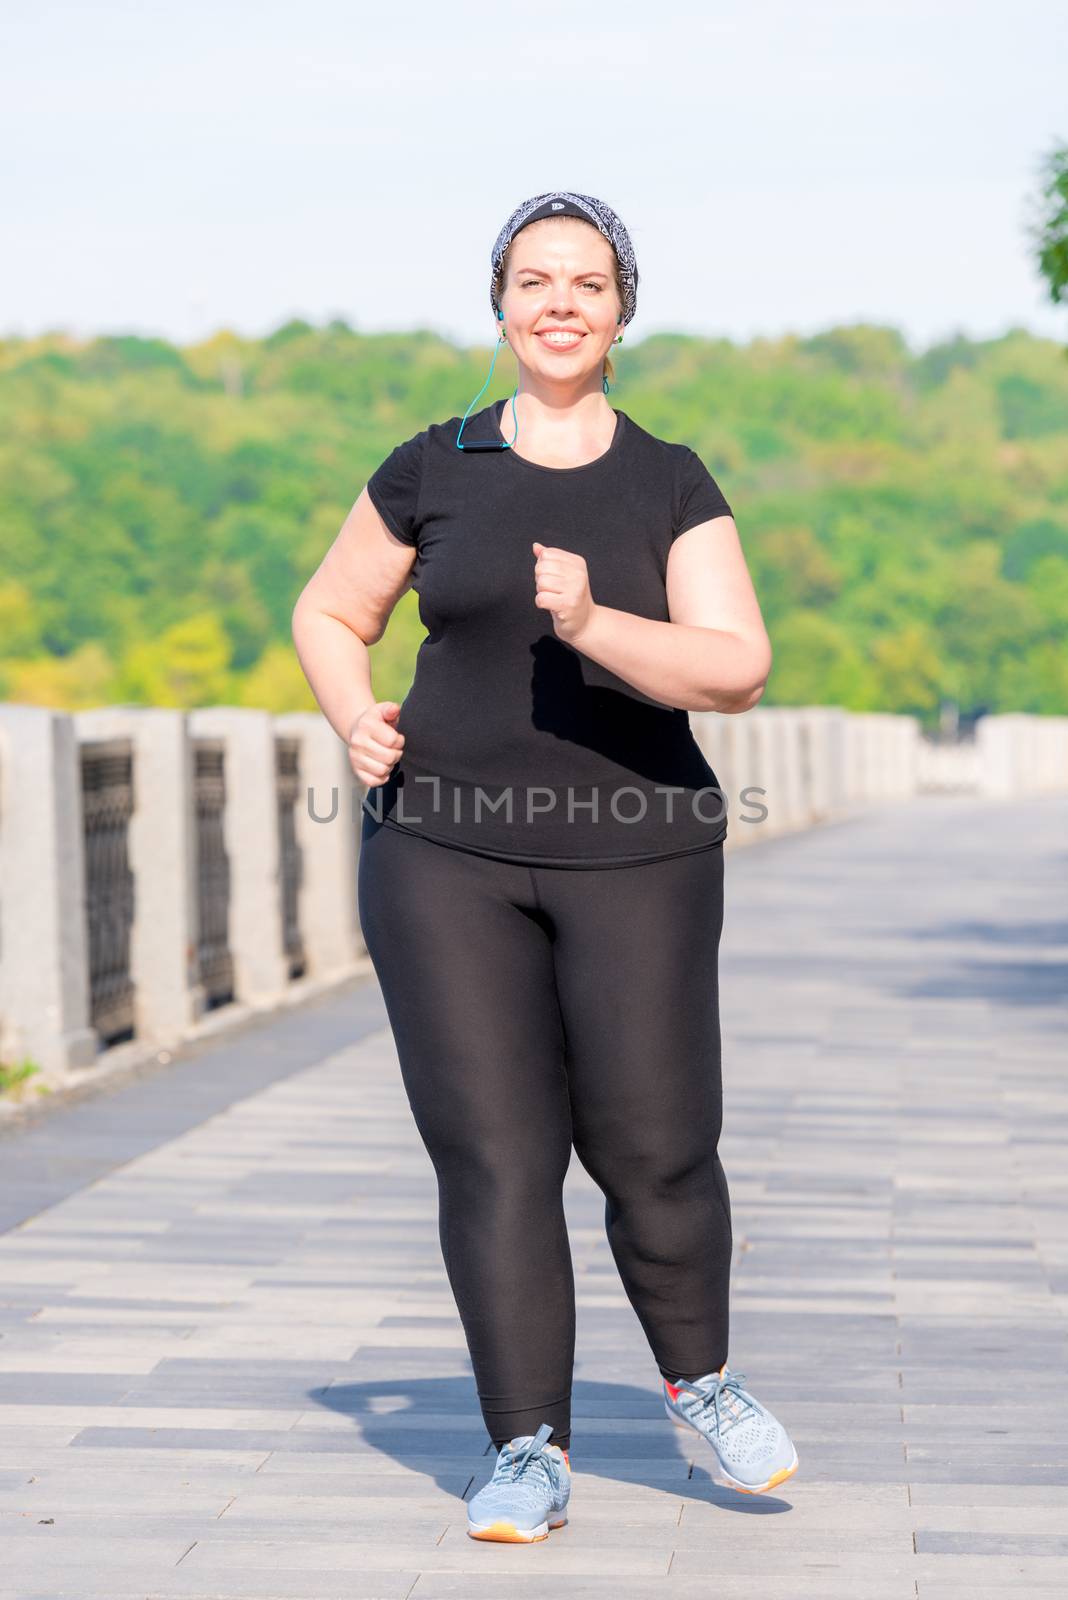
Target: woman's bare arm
{"x": 714, "y": 654}
{"x": 343, "y": 608}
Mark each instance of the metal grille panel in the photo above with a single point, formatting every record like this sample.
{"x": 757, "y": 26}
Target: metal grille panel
{"x": 214, "y": 957}
{"x": 107, "y": 805}
{"x": 287, "y": 769}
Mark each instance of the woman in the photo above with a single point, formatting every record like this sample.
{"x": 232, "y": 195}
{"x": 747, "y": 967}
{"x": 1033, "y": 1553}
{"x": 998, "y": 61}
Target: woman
{"x": 541, "y": 863}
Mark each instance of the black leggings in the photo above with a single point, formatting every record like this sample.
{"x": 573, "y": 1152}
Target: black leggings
{"x": 538, "y": 1008}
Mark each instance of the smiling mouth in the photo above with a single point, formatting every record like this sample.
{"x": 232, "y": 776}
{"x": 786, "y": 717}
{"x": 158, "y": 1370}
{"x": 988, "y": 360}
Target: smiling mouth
{"x": 559, "y": 343}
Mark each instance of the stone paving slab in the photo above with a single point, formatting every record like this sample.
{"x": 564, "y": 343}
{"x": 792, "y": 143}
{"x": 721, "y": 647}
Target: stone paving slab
{"x": 799, "y": 1586}
{"x": 47, "y": 1153}
{"x": 230, "y": 1364}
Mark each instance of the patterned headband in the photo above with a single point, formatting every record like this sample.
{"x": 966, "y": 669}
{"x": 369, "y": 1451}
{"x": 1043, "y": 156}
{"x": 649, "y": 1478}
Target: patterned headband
{"x": 561, "y": 202}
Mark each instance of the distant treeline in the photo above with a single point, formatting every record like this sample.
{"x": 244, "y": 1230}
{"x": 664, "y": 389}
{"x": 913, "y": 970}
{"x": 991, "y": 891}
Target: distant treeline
{"x": 905, "y": 517}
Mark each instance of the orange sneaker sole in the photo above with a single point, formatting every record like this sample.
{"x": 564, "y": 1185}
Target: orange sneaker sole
{"x": 508, "y": 1533}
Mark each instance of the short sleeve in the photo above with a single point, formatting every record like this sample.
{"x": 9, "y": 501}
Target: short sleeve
{"x": 394, "y": 488}
{"x": 698, "y": 497}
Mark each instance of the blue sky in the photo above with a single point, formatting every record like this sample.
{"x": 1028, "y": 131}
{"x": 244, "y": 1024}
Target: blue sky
{"x": 176, "y": 169}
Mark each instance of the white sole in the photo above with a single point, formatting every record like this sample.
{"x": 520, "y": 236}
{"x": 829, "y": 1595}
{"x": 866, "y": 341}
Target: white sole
{"x": 504, "y": 1532}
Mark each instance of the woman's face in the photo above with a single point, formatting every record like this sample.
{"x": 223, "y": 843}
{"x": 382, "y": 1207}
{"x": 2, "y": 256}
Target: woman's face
{"x": 561, "y": 278}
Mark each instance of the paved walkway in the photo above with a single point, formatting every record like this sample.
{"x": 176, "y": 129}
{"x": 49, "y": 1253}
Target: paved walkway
{"x": 231, "y": 1365}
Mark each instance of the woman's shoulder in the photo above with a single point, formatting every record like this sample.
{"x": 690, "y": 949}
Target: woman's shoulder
{"x": 671, "y": 451}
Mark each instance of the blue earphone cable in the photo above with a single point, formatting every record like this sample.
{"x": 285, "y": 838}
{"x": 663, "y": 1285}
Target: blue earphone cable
{"x": 490, "y": 444}
{"x": 497, "y": 444}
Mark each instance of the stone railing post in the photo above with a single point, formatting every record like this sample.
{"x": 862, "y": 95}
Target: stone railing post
{"x": 328, "y": 821}
{"x": 44, "y": 936}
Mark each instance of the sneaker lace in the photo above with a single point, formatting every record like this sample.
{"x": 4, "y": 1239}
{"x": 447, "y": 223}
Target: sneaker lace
{"x": 530, "y": 1464}
{"x": 722, "y": 1399}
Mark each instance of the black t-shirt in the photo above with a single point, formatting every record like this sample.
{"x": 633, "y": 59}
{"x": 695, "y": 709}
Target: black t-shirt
{"x": 516, "y": 744}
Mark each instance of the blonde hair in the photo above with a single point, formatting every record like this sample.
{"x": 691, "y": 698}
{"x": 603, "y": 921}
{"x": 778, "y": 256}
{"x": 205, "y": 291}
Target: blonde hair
{"x": 609, "y": 369}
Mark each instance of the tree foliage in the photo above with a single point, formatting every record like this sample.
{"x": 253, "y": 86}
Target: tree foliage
{"x": 1050, "y": 227}
{"x": 905, "y": 516}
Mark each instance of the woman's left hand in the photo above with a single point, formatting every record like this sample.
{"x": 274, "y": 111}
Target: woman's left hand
{"x": 563, "y": 588}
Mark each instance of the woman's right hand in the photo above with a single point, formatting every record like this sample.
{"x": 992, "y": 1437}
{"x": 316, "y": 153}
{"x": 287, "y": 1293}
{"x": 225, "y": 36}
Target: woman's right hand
{"x": 375, "y": 745}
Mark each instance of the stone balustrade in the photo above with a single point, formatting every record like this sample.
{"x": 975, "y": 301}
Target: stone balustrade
{"x": 164, "y": 871}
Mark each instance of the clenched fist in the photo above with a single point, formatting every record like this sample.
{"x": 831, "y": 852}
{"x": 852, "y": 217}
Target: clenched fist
{"x": 375, "y": 746}
{"x": 563, "y": 587}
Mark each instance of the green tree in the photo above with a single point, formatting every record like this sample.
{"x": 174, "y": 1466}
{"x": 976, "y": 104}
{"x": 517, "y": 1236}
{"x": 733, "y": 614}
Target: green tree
{"x": 188, "y": 664}
{"x": 903, "y": 515}
{"x": 816, "y": 663}
{"x": 1050, "y": 229}
{"x": 909, "y": 670}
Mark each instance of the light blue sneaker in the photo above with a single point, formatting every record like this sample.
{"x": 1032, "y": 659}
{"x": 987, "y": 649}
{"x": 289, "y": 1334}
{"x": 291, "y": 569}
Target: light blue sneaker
{"x": 754, "y": 1450}
{"x": 527, "y": 1494}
